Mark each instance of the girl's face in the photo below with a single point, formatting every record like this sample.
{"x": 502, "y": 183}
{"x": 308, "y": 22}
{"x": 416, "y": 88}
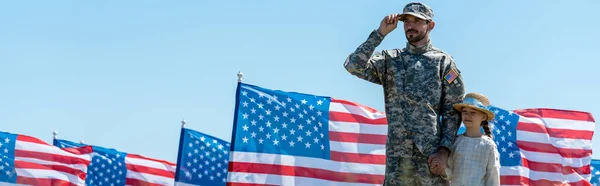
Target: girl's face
{"x": 472, "y": 117}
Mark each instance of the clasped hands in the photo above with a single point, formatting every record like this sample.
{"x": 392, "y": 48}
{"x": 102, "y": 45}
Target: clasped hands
{"x": 438, "y": 161}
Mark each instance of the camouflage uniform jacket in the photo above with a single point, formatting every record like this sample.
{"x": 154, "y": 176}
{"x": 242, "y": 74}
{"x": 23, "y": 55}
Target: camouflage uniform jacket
{"x": 420, "y": 85}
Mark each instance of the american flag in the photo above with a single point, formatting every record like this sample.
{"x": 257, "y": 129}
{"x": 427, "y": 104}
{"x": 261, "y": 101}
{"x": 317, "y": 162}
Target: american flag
{"x": 595, "y": 171}
{"x": 543, "y": 146}
{"x": 114, "y": 168}
{"x": 288, "y": 138}
{"x": 202, "y": 160}
{"x": 25, "y": 160}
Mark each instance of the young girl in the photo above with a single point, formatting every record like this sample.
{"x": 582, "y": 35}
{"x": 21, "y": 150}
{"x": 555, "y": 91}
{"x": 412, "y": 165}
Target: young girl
{"x": 474, "y": 159}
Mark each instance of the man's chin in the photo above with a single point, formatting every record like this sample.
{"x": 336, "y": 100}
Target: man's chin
{"x": 412, "y": 39}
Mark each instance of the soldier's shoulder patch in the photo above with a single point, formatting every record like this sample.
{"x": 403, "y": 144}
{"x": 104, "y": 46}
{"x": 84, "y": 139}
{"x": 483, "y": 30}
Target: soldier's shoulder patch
{"x": 451, "y": 75}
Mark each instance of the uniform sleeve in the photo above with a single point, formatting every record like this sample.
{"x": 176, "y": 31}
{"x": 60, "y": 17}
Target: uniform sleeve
{"x": 453, "y": 90}
{"x": 363, "y": 63}
{"x": 492, "y": 177}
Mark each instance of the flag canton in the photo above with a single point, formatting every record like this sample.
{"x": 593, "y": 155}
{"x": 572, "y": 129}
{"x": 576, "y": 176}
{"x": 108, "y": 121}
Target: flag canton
{"x": 504, "y": 130}
{"x": 595, "y": 171}
{"x": 278, "y": 122}
{"x": 204, "y": 159}
{"x": 66, "y": 144}
{"x": 107, "y": 167}
{"x": 7, "y": 157}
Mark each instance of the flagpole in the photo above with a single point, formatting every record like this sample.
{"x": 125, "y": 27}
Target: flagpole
{"x": 179, "y": 150}
{"x": 54, "y": 133}
{"x": 235, "y": 118}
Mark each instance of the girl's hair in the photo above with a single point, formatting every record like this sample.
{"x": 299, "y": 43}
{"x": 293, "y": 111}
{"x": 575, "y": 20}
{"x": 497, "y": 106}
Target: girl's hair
{"x": 486, "y": 129}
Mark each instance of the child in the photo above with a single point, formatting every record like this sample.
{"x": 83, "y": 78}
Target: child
{"x": 474, "y": 159}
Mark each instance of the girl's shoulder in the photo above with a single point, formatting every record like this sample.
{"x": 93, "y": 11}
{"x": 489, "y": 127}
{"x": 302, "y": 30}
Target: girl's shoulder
{"x": 487, "y": 141}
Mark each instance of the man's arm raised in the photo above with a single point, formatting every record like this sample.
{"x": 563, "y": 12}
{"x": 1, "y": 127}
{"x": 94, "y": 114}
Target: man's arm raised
{"x": 363, "y": 62}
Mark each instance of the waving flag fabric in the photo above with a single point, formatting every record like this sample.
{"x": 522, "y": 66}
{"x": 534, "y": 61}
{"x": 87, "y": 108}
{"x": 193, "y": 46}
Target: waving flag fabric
{"x": 25, "y": 160}
{"x": 112, "y": 167}
{"x": 287, "y": 138}
{"x": 543, "y": 146}
{"x": 203, "y": 159}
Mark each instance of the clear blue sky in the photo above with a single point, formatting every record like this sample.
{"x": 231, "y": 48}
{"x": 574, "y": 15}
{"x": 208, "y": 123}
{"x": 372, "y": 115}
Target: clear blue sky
{"x": 122, "y": 74}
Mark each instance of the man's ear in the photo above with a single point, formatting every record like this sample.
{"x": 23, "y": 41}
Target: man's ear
{"x": 431, "y": 25}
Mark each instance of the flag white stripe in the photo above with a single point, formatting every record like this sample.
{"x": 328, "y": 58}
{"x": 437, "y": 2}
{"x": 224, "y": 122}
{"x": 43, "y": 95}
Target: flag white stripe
{"x": 554, "y": 158}
{"x": 36, "y": 147}
{"x": 49, "y": 174}
{"x": 80, "y": 167}
{"x": 287, "y": 160}
{"x": 149, "y": 163}
{"x": 360, "y": 148}
{"x": 348, "y": 127}
{"x": 151, "y": 178}
{"x": 536, "y": 175}
{"x": 273, "y": 179}
{"x": 11, "y": 184}
{"x": 351, "y": 109}
{"x": 566, "y": 143}
{"x": 560, "y": 123}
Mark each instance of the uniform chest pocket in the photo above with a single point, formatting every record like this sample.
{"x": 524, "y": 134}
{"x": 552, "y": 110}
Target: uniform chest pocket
{"x": 423, "y": 84}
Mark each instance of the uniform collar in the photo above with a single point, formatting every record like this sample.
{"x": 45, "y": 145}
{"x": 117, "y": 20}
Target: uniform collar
{"x": 419, "y": 50}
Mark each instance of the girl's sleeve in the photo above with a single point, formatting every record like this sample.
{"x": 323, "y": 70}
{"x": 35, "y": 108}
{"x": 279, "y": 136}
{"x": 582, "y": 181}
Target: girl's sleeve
{"x": 492, "y": 177}
{"x": 448, "y": 170}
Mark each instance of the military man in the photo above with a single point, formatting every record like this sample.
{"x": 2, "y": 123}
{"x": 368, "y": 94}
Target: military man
{"x": 420, "y": 83}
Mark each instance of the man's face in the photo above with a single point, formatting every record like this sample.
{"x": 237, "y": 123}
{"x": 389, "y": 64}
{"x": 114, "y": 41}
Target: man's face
{"x": 415, "y": 29}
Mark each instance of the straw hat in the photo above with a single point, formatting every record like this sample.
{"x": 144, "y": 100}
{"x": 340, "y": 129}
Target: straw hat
{"x": 476, "y": 101}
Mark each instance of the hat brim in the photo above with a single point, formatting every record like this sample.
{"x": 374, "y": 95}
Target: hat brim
{"x": 412, "y": 14}
{"x": 460, "y": 106}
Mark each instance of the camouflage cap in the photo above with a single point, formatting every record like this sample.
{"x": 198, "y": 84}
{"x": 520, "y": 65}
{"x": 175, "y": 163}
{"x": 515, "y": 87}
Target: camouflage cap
{"x": 417, "y": 9}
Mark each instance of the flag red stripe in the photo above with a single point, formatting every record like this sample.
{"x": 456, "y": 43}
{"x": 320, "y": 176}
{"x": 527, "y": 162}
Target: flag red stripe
{"x": 81, "y": 150}
{"x": 60, "y": 168}
{"x": 305, "y": 172}
{"x": 354, "y": 104}
{"x": 43, "y": 181}
{"x": 555, "y": 132}
{"x": 357, "y": 138}
{"x": 246, "y": 184}
{"x": 50, "y": 157}
{"x": 30, "y": 139}
{"x": 150, "y": 170}
{"x": 130, "y": 181}
{"x": 150, "y": 159}
{"x": 357, "y": 158}
{"x": 557, "y": 114}
{"x": 548, "y": 148}
{"x": 520, "y": 180}
{"x": 354, "y": 118}
{"x": 554, "y": 167}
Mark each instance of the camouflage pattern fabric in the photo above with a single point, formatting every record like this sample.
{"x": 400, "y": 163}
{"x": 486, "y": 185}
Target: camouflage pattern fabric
{"x": 420, "y": 85}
